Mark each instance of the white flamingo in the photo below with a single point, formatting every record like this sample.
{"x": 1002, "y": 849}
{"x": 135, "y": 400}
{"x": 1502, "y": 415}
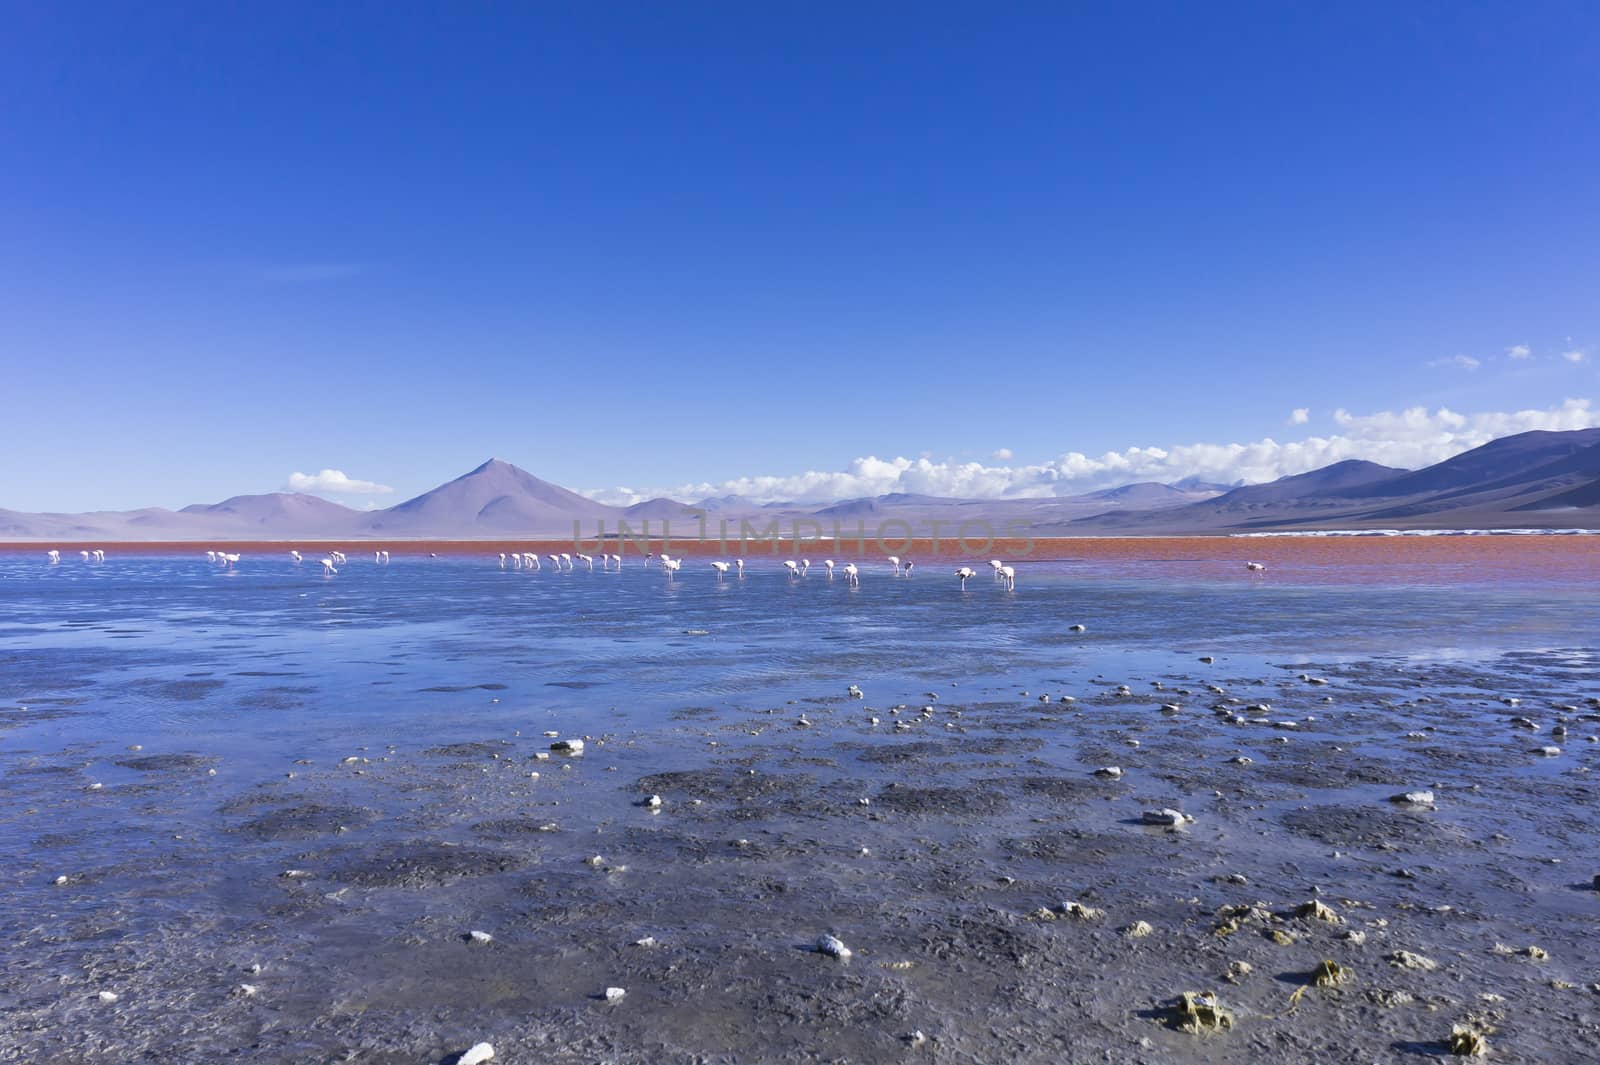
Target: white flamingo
{"x": 555, "y": 560}
{"x": 966, "y": 573}
{"x": 211, "y": 556}
{"x": 828, "y": 562}
{"x": 805, "y": 566}
{"x": 894, "y": 560}
{"x": 377, "y": 558}
{"x": 227, "y": 559}
{"x": 385, "y": 554}
{"x": 338, "y": 556}
{"x": 909, "y": 565}
{"x": 589, "y": 559}
{"x": 1008, "y": 574}
{"x": 852, "y": 574}
{"x": 84, "y": 555}
{"x": 567, "y": 559}
{"x": 995, "y": 564}
{"x": 671, "y": 565}
{"x": 516, "y": 561}
{"x": 739, "y": 562}
{"x": 295, "y": 555}
{"x": 99, "y": 555}
{"x": 793, "y": 567}
{"x": 327, "y": 566}
{"x": 53, "y": 556}
{"x": 502, "y": 560}
{"x": 1254, "y": 566}
{"x": 722, "y": 570}
{"x": 530, "y": 561}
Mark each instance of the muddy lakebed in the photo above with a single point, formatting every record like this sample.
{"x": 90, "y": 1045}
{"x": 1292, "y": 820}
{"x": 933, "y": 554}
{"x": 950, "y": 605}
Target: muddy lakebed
{"x": 259, "y": 814}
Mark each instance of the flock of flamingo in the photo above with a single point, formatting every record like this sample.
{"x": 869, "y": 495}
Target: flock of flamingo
{"x": 566, "y": 562}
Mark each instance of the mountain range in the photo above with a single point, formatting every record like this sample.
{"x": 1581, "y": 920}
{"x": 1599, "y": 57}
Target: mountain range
{"x": 1531, "y": 480}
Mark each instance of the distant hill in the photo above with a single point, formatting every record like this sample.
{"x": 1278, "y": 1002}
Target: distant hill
{"x": 496, "y": 499}
{"x": 1537, "y": 479}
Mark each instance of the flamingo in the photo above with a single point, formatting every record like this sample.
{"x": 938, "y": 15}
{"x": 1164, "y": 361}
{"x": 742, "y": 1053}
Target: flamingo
{"x": 53, "y": 556}
{"x": 909, "y": 564}
{"x": 671, "y": 565}
{"x": 722, "y": 570}
{"x": 894, "y": 560}
{"x": 829, "y": 563}
{"x": 852, "y": 575}
{"x": 995, "y": 564}
{"x": 1009, "y": 575}
{"x": 555, "y": 560}
{"x": 296, "y": 556}
{"x": 377, "y": 558}
{"x": 789, "y": 564}
{"x": 567, "y": 559}
{"x": 386, "y": 556}
{"x": 227, "y": 559}
{"x": 327, "y": 566}
{"x": 502, "y": 560}
{"x": 589, "y": 559}
{"x": 84, "y": 555}
{"x": 1254, "y": 566}
{"x": 740, "y": 563}
{"x": 805, "y": 566}
{"x": 516, "y": 561}
{"x": 338, "y": 556}
{"x": 99, "y": 555}
{"x": 530, "y": 561}
{"x": 211, "y": 556}
{"x": 966, "y": 573}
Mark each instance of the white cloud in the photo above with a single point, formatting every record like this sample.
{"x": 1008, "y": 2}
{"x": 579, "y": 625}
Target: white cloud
{"x": 1002, "y": 454}
{"x": 1520, "y": 352}
{"x": 1300, "y": 415}
{"x": 335, "y": 482}
{"x": 1574, "y": 356}
{"x": 1408, "y": 438}
{"x": 1464, "y": 362}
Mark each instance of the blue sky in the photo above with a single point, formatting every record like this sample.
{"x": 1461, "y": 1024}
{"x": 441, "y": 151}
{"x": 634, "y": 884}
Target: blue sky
{"x": 700, "y": 246}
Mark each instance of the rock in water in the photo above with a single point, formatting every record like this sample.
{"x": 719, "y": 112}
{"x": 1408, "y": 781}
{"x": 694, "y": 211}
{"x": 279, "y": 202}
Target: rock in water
{"x": 615, "y": 994}
{"x": 477, "y": 1055}
{"x": 572, "y": 748}
{"x": 1167, "y": 818}
{"x": 476, "y": 936}
{"x": 833, "y": 947}
{"x": 1413, "y": 798}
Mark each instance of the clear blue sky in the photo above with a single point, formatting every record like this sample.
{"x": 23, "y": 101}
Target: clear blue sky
{"x": 645, "y": 244}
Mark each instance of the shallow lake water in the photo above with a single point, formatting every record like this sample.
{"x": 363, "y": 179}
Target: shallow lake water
{"x": 265, "y": 807}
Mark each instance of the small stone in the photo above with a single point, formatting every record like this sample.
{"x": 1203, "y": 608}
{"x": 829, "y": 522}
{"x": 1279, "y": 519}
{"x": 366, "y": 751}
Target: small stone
{"x": 833, "y": 947}
{"x": 479, "y": 937}
{"x": 1138, "y": 930}
{"x": 108, "y": 997}
{"x": 916, "y": 1038}
{"x": 1466, "y": 1041}
{"x": 570, "y": 748}
{"x": 595, "y": 861}
{"x": 1110, "y": 772}
{"x": 1413, "y": 798}
{"x": 1167, "y": 818}
{"x": 615, "y": 994}
{"x": 1315, "y": 910}
{"x": 477, "y": 1055}
{"x": 652, "y": 802}
{"x": 647, "y": 942}
{"x": 248, "y": 990}
{"x": 1404, "y": 959}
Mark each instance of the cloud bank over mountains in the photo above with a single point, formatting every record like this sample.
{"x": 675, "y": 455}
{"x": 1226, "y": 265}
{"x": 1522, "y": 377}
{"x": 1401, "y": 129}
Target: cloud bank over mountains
{"x": 1410, "y": 438}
